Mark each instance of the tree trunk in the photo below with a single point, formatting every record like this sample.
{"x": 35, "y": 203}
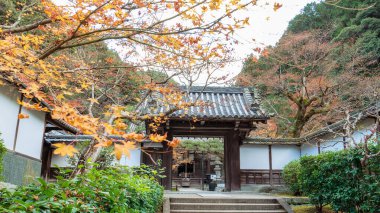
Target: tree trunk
{"x": 91, "y": 152}
{"x": 297, "y": 128}
{"x": 81, "y": 165}
{"x": 319, "y": 208}
{"x": 299, "y": 120}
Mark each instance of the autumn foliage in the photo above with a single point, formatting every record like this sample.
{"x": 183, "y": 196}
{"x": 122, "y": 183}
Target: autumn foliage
{"x": 41, "y": 53}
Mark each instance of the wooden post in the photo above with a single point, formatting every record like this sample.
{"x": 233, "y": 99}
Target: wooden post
{"x": 270, "y": 166}
{"x": 233, "y": 161}
{"x": 226, "y": 163}
{"x": 378, "y": 128}
{"x": 319, "y": 147}
{"x": 202, "y": 171}
{"x": 344, "y": 142}
{"x": 167, "y": 159}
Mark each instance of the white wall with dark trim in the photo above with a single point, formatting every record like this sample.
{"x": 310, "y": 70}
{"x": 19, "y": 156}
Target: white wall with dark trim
{"x": 254, "y": 156}
{"x": 30, "y": 134}
{"x": 133, "y": 160}
{"x": 8, "y": 114}
{"x": 26, "y": 136}
{"x": 283, "y": 154}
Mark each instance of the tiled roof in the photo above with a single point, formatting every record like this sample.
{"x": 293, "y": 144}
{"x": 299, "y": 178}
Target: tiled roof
{"x": 371, "y": 110}
{"x": 59, "y": 137}
{"x": 221, "y": 103}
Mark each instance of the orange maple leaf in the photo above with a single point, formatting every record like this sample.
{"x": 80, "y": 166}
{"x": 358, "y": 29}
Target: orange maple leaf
{"x": 22, "y": 116}
{"x": 139, "y": 137}
{"x": 129, "y": 136}
{"x": 277, "y": 6}
{"x": 158, "y": 138}
{"x": 104, "y": 143}
{"x": 174, "y": 143}
{"x": 124, "y": 149}
{"x": 93, "y": 100}
{"x": 63, "y": 149}
{"x": 265, "y": 53}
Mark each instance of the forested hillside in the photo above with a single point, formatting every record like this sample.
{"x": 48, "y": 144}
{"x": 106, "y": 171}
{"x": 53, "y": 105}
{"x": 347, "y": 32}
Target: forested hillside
{"x": 326, "y": 63}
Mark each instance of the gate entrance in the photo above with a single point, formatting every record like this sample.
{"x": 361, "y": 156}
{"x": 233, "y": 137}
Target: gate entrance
{"x": 230, "y": 114}
{"x": 198, "y": 164}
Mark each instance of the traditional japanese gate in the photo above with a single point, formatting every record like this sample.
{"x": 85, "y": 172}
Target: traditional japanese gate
{"x": 230, "y": 112}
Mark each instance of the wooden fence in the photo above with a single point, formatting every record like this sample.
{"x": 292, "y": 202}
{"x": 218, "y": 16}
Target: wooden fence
{"x": 259, "y": 176}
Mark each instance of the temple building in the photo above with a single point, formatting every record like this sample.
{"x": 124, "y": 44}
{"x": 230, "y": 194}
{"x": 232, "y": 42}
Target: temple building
{"x": 230, "y": 114}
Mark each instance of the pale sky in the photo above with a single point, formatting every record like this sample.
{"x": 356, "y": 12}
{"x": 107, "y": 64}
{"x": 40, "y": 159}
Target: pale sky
{"x": 266, "y": 27}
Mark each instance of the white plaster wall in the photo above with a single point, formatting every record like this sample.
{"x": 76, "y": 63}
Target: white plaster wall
{"x": 8, "y": 114}
{"x": 364, "y": 131}
{"x": 134, "y": 160}
{"x": 254, "y": 156}
{"x": 30, "y": 133}
{"x": 59, "y": 161}
{"x": 283, "y": 154}
{"x": 309, "y": 149}
{"x": 335, "y": 144}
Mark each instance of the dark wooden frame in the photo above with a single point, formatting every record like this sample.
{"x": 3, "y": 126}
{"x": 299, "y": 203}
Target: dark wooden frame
{"x": 232, "y": 131}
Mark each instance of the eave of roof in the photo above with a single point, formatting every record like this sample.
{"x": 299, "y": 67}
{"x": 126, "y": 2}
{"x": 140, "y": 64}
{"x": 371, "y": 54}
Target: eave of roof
{"x": 224, "y": 103}
{"x": 274, "y": 141}
{"x": 364, "y": 113}
{"x": 78, "y": 138}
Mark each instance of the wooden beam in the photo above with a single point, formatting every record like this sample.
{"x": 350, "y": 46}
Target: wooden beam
{"x": 271, "y": 143}
{"x": 201, "y": 134}
{"x": 237, "y": 124}
{"x": 270, "y": 166}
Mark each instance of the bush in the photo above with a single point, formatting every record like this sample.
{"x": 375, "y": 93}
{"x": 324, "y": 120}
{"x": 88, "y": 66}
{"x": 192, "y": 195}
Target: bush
{"x": 312, "y": 179}
{"x": 339, "y": 179}
{"x": 3, "y": 151}
{"x": 291, "y": 175}
{"x": 110, "y": 190}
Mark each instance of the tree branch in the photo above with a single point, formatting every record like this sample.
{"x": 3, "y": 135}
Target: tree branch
{"x": 27, "y": 27}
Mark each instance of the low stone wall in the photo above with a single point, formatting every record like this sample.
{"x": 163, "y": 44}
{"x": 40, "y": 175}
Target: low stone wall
{"x": 297, "y": 200}
{"x": 20, "y": 169}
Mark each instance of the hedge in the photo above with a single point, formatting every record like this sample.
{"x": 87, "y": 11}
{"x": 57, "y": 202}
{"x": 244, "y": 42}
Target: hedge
{"x": 110, "y": 190}
{"x": 3, "y": 151}
{"x": 291, "y": 175}
{"x": 338, "y": 179}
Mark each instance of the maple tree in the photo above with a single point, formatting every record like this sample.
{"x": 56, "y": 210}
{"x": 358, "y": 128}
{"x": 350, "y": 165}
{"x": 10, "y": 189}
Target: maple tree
{"x": 344, "y": 35}
{"x": 42, "y": 53}
{"x": 296, "y": 70}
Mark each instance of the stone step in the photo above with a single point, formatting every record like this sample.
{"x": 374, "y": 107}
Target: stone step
{"x": 225, "y": 206}
{"x": 228, "y": 211}
{"x": 222, "y": 200}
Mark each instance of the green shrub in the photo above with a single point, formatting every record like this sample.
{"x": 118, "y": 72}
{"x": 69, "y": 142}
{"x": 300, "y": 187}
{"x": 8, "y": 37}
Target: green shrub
{"x": 339, "y": 179}
{"x": 3, "y": 151}
{"x": 149, "y": 171}
{"x": 110, "y": 190}
{"x": 353, "y": 187}
{"x": 312, "y": 180}
{"x": 291, "y": 174}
